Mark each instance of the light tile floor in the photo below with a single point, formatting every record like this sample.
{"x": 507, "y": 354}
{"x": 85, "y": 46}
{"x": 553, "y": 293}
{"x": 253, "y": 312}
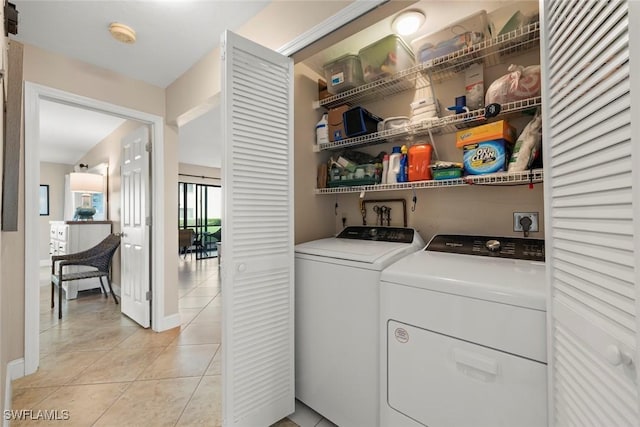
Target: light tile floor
{"x": 107, "y": 371}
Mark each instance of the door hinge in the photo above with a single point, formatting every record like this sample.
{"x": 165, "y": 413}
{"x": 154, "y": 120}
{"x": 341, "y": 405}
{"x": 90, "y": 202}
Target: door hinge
{"x": 148, "y": 147}
{"x": 148, "y": 295}
{"x": 148, "y": 221}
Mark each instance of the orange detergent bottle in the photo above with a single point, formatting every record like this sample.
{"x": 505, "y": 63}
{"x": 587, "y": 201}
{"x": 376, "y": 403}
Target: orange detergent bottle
{"x": 419, "y": 161}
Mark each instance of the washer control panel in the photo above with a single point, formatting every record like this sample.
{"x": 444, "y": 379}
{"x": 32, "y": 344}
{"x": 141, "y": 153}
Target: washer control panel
{"x": 491, "y": 246}
{"x": 379, "y": 234}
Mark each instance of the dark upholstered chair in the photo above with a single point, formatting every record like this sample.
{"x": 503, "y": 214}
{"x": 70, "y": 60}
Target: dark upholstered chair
{"x": 186, "y": 239}
{"x": 99, "y": 257}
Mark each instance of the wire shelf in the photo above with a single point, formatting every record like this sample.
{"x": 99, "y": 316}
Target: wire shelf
{"x": 446, "y": 124}
{"x": 500, "y": 178}
{"x": 490, "y": 51}
{"x": 408, "y": 79}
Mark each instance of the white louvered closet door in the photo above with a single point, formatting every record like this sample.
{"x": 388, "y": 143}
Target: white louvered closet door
{"x": 258, "y": 260}
{"x": 590, "y": 193}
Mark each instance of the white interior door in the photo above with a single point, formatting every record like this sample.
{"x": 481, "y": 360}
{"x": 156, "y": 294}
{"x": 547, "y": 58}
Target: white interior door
{"x": 134, "y": 248}
{"x": 591, "y": 192}
{"x": 257, "y": 266}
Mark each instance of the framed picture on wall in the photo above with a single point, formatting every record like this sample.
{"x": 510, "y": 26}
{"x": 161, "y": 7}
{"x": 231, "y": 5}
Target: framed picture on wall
{"x": 44, "y": 200}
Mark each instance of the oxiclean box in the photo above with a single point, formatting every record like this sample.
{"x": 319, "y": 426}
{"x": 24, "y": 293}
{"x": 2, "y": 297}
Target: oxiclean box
{"x": 486, "y": 157}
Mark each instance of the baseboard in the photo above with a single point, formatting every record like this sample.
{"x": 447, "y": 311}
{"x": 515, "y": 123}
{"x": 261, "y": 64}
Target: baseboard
{"x": 305, "y": 416}
{"x": 15, "y": 370}
{"x": 167, "y": 322}
{"x": 45, "y": 262}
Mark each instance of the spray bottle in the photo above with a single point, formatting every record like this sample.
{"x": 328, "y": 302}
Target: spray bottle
{"x": 394, "y": 165}
{"x": 385, "y": 168}
{"x": 404, "y": 165}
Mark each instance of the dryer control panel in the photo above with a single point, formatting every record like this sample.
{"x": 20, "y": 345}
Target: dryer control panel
{"x": 491, "y": 246}
{"x": 379, "y": 234}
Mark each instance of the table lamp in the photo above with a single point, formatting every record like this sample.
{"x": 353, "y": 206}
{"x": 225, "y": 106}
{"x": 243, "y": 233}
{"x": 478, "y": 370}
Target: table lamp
{"x": 87, "y": 184}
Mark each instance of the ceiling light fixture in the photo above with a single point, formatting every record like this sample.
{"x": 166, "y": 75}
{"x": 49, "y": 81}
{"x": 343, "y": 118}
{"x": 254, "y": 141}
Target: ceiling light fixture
{"x": 408, "y": 22}
{"x": 122, "y": 33}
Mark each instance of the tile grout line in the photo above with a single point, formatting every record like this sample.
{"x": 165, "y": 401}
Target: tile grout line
{"x": 66, "y": 346}
{"x": 117, "y": 399}
{"x": 189, "y": 400}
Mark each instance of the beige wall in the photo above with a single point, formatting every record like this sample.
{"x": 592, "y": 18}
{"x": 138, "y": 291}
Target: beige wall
{"x": 12, "y": 281}
{"x": 171, "y": 219}
{"x": 314, "y": 216}
{"x": 200, "y": 85}
{"x": 4, "y": 355}
{"x": 52, "y": 174}
{"x": 480, "y": 210}
{"x": 12, "y": 284}
{"x": 68, "y": 74}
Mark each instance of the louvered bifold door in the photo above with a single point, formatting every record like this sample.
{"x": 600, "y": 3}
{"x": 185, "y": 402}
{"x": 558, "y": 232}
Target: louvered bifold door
{"x": 589, "y": 202}
{"x": 257, "y": 234}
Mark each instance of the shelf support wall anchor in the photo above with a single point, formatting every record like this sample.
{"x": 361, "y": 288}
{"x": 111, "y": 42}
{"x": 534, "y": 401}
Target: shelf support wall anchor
{"x": 363, "y": 208}
{"x": 530, "y": 179}
{"x": 433, "y": 145}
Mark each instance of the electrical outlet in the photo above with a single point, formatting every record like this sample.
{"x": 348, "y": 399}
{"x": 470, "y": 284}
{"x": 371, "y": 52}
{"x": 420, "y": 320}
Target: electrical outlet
{"x": 533, "y": 216}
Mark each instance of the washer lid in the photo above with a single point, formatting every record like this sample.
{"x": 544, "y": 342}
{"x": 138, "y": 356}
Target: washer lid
{"x": 365, "y": 251}
{"x": 516, "y": 282}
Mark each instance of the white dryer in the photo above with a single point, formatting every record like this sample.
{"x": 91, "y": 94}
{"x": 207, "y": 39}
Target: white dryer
{"x": 463, "y": 335}
{"x": 336, "y": 319}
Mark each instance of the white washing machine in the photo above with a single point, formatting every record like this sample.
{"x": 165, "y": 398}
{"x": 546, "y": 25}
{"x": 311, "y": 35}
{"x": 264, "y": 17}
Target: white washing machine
{"x": 337, "y": 318}
{"x": 463, "y": 335}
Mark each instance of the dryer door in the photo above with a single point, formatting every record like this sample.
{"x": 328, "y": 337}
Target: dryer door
{"x": 441, "y": 381}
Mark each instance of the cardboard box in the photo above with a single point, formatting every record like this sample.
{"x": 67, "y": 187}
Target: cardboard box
{"x": 323, "y": 92}
{"x": 491, "y": 131}
{"x": 336, "y": 126}
{"x": 486, "y": 157}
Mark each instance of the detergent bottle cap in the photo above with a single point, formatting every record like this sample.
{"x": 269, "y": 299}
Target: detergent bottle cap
{"x": 385, "y": 157}
{"x": 404, "y": 149}
{"x": 395, "y": 150}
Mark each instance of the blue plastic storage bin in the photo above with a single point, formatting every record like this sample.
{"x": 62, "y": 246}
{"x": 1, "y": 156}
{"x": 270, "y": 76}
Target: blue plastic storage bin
{"x": 358, "y": 121}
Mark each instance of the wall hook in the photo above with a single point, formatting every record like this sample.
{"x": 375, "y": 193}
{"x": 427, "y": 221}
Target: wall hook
{"x": 531, "y": 179}
{"x": 414, "y": 200}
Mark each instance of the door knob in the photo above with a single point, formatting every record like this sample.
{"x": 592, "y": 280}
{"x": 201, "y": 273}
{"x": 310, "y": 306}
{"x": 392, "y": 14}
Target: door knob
{"x": 616, "y": 357}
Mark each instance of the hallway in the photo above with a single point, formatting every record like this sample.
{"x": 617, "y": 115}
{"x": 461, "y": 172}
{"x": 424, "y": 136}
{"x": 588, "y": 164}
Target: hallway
{"x": 98, "y": 368}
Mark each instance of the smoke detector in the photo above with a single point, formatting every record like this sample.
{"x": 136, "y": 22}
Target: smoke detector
{"x": 122, "y": 33}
